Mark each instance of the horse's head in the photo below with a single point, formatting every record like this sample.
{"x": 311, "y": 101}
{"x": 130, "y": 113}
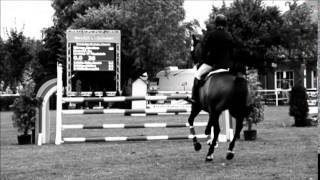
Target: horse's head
{"x": 196, "y": 51}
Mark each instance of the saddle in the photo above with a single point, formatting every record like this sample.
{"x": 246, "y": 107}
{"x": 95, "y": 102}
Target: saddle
{"x": 207, "y": 75}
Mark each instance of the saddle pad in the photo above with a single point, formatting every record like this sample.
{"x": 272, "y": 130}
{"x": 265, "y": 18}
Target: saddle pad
{"x": 217, "y": 71}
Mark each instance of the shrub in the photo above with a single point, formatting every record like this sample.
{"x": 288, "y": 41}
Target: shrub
{"x": 24, "y": 113}
{"x": 257, "y": 109}
{"x": 24, "y": 110}
{"x": 298, "y": 105}
{"x": 257, "y": 112}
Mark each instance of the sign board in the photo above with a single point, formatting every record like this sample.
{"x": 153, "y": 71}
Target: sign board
{"x": 312, "y": 97}
{"x": 93, "y": 62}
{"x": 93, "y": 56}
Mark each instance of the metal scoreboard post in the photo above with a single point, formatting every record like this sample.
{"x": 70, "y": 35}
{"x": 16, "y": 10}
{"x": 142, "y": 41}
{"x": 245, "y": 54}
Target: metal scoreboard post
{"x": 93, "y": 60}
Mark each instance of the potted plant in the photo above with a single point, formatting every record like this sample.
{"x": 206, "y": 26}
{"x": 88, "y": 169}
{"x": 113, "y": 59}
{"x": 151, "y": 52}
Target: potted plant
{"x": 299, "y": 105}
{"x": 257, "y": 108}
{"x": 256, "y": 116}
{"x": 24, "y": 115}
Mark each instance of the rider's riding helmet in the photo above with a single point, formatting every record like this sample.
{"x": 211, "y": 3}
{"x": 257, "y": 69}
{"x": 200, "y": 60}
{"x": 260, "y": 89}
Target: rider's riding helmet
{"x": 220, "y": 20}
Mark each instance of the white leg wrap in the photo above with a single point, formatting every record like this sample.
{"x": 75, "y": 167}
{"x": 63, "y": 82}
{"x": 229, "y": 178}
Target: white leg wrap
{"x": 231, "y": 152}
{"x": 210, "y": 157}
{"x": 209, "y": 141}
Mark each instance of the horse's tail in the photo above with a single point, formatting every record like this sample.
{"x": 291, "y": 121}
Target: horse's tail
{"x": 240, "y": 98}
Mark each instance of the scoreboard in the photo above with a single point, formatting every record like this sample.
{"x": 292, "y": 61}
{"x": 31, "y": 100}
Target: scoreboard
{"x": 93, "y": 56}
{"x": 93, "y": 62}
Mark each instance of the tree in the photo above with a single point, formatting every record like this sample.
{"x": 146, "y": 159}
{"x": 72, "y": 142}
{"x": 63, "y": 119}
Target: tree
{"x": 16, "y": 53}
{"x": 15, "y": 56}
{"x": 2, "y": 63}
{"x": 54, "y": 37}
{"x": 267, "y": 36}
{"x": 68, "y": 10}
{"x": 52, "y": 50}
{"x": 299, "y": 36}
{"x": 152, "y": 34}
{"x": 34, "y": 66}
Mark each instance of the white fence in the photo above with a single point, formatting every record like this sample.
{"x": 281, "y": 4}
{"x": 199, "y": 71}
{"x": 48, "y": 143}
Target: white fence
{"x": 270, "y": 97}
{"x": 279, "y": 96}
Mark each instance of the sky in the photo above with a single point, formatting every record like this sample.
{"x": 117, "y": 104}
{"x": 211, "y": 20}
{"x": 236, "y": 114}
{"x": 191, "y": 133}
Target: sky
{"x": 31, "y": 16}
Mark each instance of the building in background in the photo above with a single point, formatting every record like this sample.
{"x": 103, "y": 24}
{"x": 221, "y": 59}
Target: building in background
{"x": 283, "y": 75}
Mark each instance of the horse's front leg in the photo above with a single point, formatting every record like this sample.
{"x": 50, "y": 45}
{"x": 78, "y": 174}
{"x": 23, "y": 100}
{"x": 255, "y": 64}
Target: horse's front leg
{"x": 215, "y": 121}
{"x": 209, "y": 133}
{"x": 194, "y": 112}
{"x": 239, "y": 125}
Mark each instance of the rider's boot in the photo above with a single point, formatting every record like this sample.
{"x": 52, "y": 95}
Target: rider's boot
{"x": 195, "y": 90}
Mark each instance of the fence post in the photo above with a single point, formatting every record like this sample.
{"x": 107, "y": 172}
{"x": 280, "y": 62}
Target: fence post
{"x": 59, "y": 104}
{"x": 139, "y": 88}
{"x": 276, "y": 91}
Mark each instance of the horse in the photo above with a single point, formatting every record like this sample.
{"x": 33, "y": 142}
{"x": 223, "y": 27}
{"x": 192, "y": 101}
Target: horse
{"x": 221, "y": 91}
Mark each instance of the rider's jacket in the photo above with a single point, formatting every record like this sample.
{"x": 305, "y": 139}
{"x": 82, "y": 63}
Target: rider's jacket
{"x": 218, "y": 49}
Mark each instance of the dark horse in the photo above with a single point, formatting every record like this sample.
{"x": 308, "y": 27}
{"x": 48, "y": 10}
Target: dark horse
{"x": 220, "y": 92}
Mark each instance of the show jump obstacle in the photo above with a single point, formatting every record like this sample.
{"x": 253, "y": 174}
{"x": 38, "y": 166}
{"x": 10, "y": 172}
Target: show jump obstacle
{"x": 85, "y": 58}
{"x": 60, "y": 127}
{"x": 55, "y": 86}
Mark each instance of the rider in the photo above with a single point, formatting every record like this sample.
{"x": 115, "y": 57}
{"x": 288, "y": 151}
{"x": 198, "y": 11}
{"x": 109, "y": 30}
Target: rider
{"x": 217, "y": 47}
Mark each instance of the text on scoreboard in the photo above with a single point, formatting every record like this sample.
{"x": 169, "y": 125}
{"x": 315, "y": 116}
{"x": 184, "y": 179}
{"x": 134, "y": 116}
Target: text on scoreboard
{"x": 93, "y": 56}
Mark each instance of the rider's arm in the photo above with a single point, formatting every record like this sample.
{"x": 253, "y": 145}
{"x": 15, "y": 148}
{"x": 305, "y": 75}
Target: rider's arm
{"x": 206, "y": 48}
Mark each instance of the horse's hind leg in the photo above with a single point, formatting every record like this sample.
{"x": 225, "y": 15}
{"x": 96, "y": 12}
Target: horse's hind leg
{"x": 194, "y": 112}
{"x": 239, "y": 125}
{"x": 214, "y": 119}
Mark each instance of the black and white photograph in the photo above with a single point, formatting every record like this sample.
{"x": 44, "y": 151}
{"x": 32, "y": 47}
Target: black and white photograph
{"x": 159, "y": 89}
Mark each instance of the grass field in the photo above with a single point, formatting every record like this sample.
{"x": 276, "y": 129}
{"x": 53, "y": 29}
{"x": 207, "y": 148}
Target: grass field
{"x": 280, "y": 152}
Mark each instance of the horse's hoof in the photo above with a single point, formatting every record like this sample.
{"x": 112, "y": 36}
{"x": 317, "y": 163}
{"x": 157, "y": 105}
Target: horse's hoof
{"x": 209, "y": 158}
{"x": 230, "y": 155}
{"x": 197, "y": 146}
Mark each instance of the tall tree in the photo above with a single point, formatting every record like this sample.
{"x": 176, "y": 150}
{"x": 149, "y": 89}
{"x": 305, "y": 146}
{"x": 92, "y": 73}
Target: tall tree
{"x": 67, "y": 10}
{"x": 158, "y": 38}
{"x": 2, "y": 62}
{"x": 16, "y": 56}
{"x": 299, "y": 36}
{"x": 54, "y": 37}
{"x": 35, "y": 66}
{"x": 152, "y": 33}
{"x": 52, "y": 49}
